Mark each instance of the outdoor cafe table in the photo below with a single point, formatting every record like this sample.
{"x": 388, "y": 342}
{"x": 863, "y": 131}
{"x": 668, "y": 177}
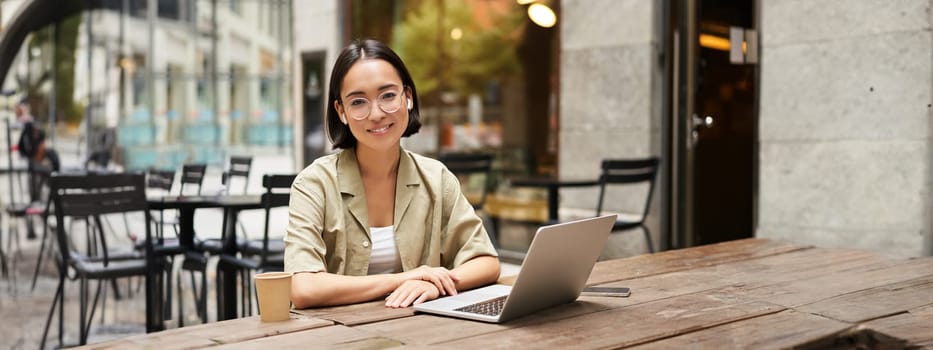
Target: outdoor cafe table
{"x": 752, "y": 293}
{"x": 553, "y": 186}
{"x": 186, "y": 206}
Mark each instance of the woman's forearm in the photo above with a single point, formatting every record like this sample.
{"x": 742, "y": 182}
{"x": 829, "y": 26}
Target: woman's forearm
{"x": 477, "y": 272}
{"x": 326, "y": 289}
{"x": 313, "y": 289}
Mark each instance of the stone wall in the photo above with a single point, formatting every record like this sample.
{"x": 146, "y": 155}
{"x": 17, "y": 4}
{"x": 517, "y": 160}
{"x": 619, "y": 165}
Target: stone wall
{"x": 845, "y": 124}
{"x": 608, "y": 100}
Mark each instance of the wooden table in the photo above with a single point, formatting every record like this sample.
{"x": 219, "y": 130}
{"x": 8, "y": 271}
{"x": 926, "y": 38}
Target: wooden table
{"x": 751, "y": 293}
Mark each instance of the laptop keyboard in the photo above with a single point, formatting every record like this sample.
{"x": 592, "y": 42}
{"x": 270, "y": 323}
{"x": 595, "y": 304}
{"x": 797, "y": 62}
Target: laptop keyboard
{"x": 491, "y": 307}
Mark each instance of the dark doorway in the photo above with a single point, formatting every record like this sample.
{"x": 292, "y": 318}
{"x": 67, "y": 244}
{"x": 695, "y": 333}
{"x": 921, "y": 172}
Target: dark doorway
{"x": 715, "y": 120}
{"x": 314, "y": 137}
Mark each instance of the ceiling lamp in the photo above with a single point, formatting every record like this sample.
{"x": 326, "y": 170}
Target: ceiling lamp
{"x": 542, "y": 15}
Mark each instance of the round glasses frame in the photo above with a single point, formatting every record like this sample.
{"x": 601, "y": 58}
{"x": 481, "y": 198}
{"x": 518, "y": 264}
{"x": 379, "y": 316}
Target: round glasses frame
{"x": 359, "y": 108}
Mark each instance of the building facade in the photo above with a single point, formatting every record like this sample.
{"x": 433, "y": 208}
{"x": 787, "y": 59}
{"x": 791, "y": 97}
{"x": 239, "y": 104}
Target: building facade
{"x": 842, "y": 145}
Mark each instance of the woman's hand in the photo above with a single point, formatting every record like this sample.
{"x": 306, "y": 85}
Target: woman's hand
{"x": 412, "y": 292}
{"x": 443, "y": 279}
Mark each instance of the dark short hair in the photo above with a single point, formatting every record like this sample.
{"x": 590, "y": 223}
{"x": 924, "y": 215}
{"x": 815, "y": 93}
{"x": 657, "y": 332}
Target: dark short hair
{"x": 339, "y": 133}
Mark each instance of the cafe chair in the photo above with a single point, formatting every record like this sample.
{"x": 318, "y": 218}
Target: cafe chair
{"x": 197, "y": 260}
{"x": 161, "y": 182}
{"x": 77, "y": 197}
{"x": 267, "y": 253}
{"x": 192, "y": 175}
{"x": 239, "y": 167}
{"x": 629, "y": 172}
{"x": 467, "y": 166}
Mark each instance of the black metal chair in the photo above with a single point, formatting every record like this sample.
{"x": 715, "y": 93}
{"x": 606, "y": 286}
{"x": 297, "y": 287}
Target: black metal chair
{"x": 266, "y": 254}
{"x": 239, "y": 167}
{"x": 466, "y": 166}
{"x": 92, "y": 196}
{"x": 163, "y": 181}
{"x": 192, "y": 175}
{"x": 629, "y": 172}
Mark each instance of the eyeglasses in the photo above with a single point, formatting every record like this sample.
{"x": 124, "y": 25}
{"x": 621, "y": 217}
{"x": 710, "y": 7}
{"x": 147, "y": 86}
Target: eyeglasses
{"x": 359, "y": 108}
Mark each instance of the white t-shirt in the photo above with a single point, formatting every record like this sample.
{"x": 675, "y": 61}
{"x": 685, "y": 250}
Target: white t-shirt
{"x": 384, "y": 257}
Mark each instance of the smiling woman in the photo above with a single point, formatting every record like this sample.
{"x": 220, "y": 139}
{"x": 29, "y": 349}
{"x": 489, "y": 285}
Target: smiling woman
{"x": 375, "y": 220}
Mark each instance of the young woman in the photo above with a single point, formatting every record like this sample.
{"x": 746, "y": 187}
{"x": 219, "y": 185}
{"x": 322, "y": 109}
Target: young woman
{"x": 374, "y": 220}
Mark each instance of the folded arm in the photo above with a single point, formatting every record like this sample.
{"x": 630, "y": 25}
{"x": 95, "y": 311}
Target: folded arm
{"x": 403, "y": 289}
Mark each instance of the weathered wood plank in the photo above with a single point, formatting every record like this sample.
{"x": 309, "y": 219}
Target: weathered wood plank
{"x": 810, "y": 290}
{"x": 685, "y": 259}
{"x": 624, "y": 326}
{"x": 429, "y": 329}
{"x": 351, "y": 315}
{"x": 876, "y": 302}
{"x": 775, "y": 331}
{"x": 746, "y": 274}
{"x": 916, "y": 326}
{"x": 210, "y": 334}
{"x": 333, "y": 337}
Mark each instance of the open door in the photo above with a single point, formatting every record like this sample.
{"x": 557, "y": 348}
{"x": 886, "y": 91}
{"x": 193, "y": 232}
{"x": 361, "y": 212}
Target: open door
{"x": 714, "y": 120}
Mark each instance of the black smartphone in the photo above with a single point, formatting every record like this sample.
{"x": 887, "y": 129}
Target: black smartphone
{"x": 606, "y": 291}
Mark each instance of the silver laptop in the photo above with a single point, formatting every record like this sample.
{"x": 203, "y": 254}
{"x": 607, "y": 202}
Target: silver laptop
{"x": 554, "y": 272}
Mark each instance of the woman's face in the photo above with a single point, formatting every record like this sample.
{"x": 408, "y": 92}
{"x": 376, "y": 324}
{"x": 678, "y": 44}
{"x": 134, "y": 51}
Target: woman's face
{"x": 374, "y": 104}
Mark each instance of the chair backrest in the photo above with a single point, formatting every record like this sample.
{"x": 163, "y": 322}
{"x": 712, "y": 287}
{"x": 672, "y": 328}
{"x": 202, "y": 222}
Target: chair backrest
{"x": 192, "y": 174}
{"x": 277, "y": 188}
{"x": 161, "y": 179}
{"x": 467, "y": 165}
{"x": 239, "y": 167}
{"x": 95, "y": 195}
{"x": 627, "y": 171}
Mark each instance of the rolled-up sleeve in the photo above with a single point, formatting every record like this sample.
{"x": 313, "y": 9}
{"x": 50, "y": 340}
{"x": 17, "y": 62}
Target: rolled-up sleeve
{"x": 464, "y": 236}
{"x": 304, "y": 245}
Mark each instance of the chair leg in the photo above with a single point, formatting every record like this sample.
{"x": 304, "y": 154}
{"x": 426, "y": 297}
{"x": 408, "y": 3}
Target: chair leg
{"x": 48, "y": 320}
{"x": 45, "y": 235}
{"x": 248, "y": 295}
{"x": 13, "y": 229}
{"x": 61, "y": 311}
{"x": 194, "y": 291}
{"x": 202, "y": 306}
{"x": 3, "y": 268}
{"x": 82, "y": 340}
{"x": 90, "y": 319}
{"x": 116, "y": 290}
{"x": 181, "y": 301}
{"x": 648, "y": 239}
{"x": 168, "y": 290}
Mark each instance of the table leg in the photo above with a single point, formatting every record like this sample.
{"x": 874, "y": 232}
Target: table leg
{"x": 186, "y": 227}
{"x": 226, "y": 273}
{"x": 552, "y": 204}
{"x": 154, "y": 307}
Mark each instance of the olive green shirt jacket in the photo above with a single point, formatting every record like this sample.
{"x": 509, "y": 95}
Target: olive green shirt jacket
{"x": 328, "y": 225}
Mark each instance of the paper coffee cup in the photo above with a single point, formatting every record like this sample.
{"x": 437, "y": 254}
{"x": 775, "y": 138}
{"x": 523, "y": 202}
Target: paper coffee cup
{"x": 274, "y": 291}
